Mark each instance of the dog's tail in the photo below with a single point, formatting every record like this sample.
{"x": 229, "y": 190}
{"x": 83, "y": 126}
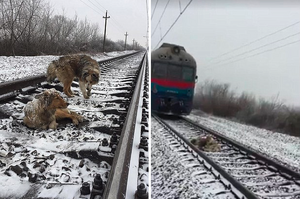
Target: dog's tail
{"x": 51, "y": 74}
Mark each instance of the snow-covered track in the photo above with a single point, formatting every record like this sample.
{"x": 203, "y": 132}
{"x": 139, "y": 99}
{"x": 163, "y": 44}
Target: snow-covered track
{"x": 259, "y": 174}
{"x": 228, "y": 187}
{"x": 74, "y": 161}
{"x": 132, "y": 153}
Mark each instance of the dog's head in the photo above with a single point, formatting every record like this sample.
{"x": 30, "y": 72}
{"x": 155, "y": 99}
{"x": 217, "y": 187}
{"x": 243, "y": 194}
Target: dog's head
{"x": 51, "y": 99}
{"x": 91, "y": 70}
{"x": 90, "y": 76}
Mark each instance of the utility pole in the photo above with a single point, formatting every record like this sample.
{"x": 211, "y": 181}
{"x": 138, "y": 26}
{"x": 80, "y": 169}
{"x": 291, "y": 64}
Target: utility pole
{"x": 147, "y": 42}
{"x": 106, "y": 17}
{"x": 125, "y": 39}
{"x": 133, "y": 44}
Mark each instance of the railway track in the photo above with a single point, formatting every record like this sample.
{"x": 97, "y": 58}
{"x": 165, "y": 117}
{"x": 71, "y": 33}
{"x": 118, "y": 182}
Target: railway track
{"x": 248, "y": 173}
{"x": 78, "y": 161}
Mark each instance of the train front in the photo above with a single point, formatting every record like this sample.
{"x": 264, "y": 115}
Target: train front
{"x": 173, "y": 76}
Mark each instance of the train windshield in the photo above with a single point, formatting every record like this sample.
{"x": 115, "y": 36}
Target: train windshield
{"x": 187, "y": 74}
{"x": 159, "y": 70}
{"x": 173, "y": 72}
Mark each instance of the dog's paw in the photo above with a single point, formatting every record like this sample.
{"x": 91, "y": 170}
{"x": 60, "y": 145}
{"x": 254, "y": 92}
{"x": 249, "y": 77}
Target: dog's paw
{"x": 75, "y": 121}
{"x": 45, "y": 127}
{"x": 86, "y": 97}
{"x": 80, "y": 118}
{"x": 89, "y": 92}
{"x": 53, "y": 125}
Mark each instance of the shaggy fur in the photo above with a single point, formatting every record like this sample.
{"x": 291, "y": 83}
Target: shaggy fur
{"x": 207, "y": 144}
{"x": 45, "y": 109}
{"x": 67, "y": 68}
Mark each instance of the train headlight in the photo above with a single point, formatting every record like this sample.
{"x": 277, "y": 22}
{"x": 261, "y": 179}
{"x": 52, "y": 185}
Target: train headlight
{"x": 176, "y": 50}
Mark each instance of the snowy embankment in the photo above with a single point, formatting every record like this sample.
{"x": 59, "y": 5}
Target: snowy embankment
{"x": 277, "y": 146}
{"x": 12, "y": 68}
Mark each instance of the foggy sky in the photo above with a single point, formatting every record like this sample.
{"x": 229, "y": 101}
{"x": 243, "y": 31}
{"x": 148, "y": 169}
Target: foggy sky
{"x": 125, "y": 16}
{"x": 208, "y": 29}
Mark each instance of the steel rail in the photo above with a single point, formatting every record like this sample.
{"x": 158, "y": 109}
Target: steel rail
{"x": 118, "y": 177}
{"x": 132, "y": 182}
{"x": 15, "y": 85}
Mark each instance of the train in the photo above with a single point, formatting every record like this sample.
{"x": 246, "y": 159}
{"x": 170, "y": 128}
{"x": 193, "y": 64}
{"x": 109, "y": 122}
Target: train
{"x": 173, "y": 78}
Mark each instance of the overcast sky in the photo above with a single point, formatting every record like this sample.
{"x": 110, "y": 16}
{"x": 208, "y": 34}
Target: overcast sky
{"x": 215, "y": 31}
{"x": 125, "y": 16}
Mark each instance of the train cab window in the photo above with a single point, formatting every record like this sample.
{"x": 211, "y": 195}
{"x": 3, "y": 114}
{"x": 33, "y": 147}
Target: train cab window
{"x": 159, "y": 70}
{"x": 174, "y": 72}
{"x": 188, "y": 74}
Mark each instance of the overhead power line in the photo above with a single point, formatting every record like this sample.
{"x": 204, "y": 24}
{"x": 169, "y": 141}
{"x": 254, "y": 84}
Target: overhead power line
{"x": 154, "y": 9}
{"x": 115, "y": 22}
{"x": 103, "y": 10}
{"x": 254, "y": 41}
{"x": 174, "y": 23}
{"x": 118, "y": 26}
{"x": 272, "y": 49}
{"x": 100, "y": 5}
{"x": 90, "y": 7}
{"x": 254, "y": 49}
{"x": 160, "y": 17}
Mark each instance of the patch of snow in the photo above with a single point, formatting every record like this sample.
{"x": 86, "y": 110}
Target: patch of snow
{"x": 14, "y": 183}
{"x": 12, "y": 68}
{"x": 60, "y": 192}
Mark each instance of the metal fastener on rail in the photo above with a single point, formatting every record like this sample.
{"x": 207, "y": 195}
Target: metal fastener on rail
{"x": 85, "y": 188}
{"x": 141, "y": 192}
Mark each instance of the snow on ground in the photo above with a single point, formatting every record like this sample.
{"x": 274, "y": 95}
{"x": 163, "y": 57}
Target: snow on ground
{"x": 12, "y": 68}
{"x": 278, "y": 146}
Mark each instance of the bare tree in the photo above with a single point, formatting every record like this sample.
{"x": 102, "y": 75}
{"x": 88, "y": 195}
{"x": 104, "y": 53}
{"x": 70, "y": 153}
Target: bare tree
{"x": 28, "y": 27}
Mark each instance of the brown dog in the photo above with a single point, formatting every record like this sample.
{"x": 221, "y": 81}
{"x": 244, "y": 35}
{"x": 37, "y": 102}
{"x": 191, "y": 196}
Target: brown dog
{"x": 207, "y": 143}
{"x": 67, "y": 68}
{"x": 46, "y": 108}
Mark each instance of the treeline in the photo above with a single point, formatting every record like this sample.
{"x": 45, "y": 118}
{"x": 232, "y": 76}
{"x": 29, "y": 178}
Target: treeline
{"x": 217, "y": 99}
{"x": 28, "y": 27}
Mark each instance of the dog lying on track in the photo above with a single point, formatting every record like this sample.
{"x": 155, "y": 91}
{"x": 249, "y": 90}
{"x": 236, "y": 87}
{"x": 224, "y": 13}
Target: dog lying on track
{"x": 46, "y": 109}
{"x": 67, "y": 68}
{"x": 206, "y": 143}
